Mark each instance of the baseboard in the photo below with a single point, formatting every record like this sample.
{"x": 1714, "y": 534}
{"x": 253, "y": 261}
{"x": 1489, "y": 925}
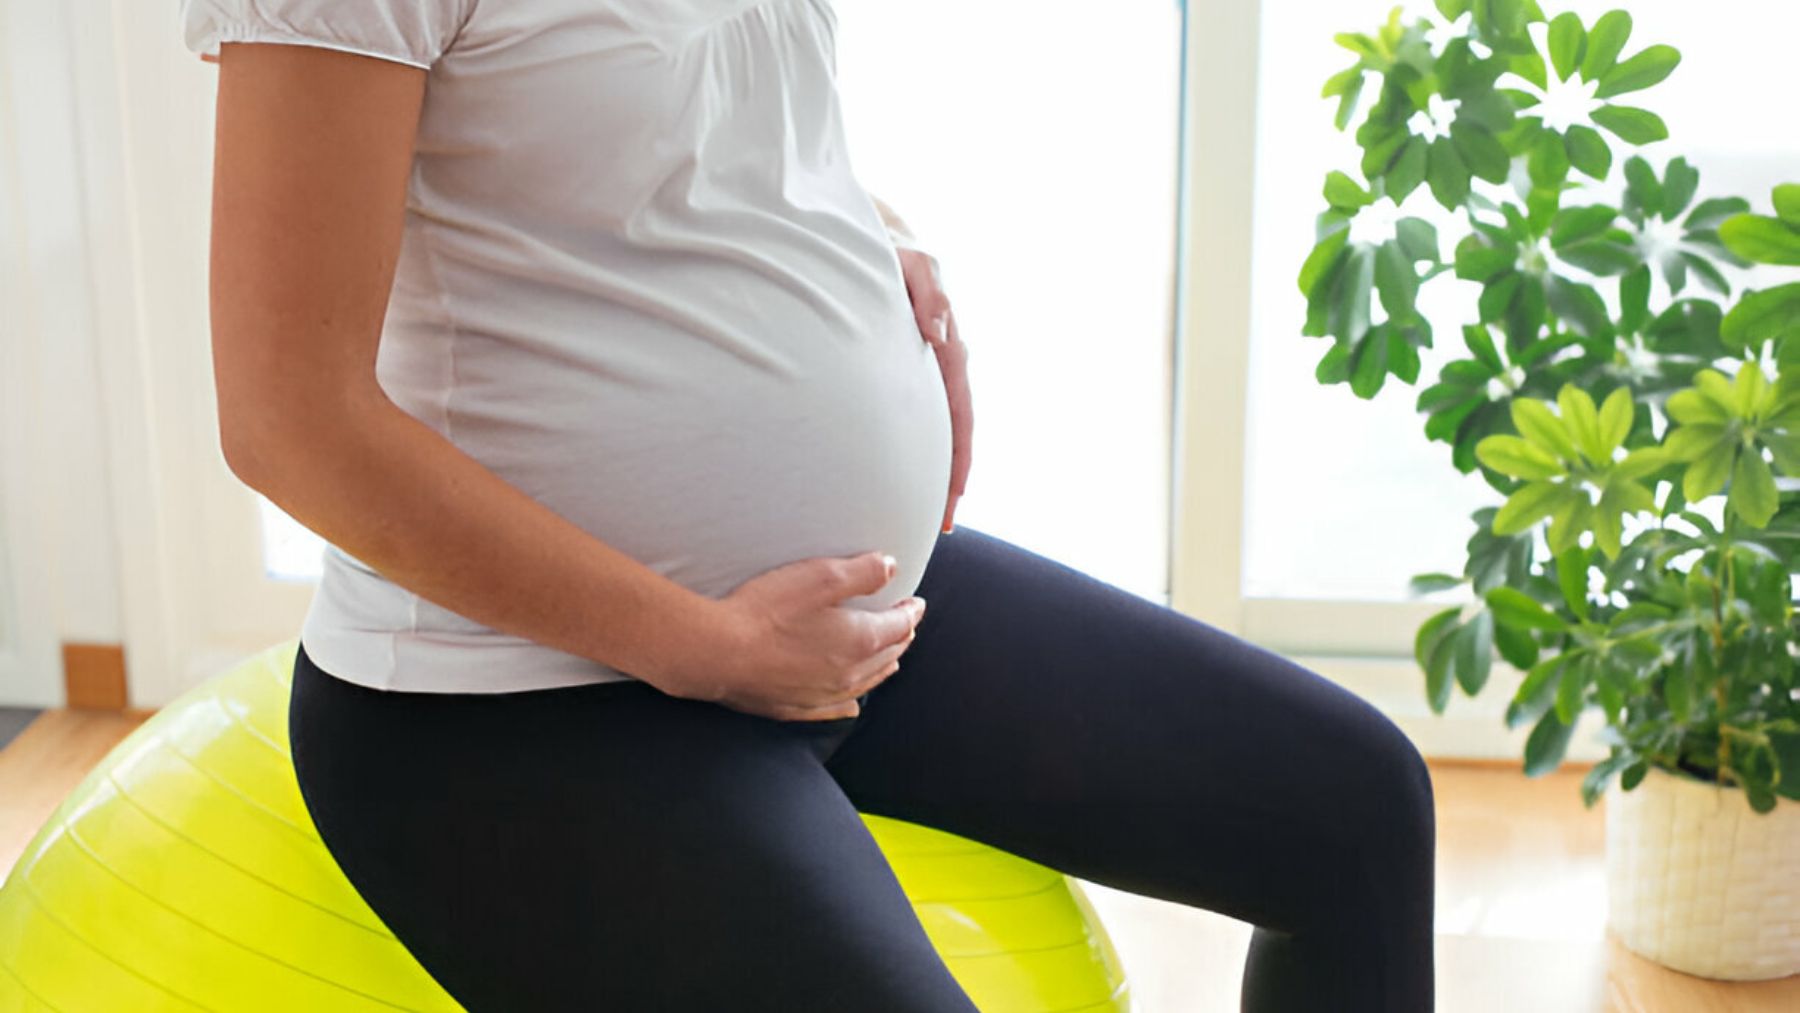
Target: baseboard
{"x": 94, "y": 676}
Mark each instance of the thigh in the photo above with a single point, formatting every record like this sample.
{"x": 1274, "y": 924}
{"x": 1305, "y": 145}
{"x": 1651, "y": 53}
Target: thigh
{"x": 610, "y": 847}
{"x": 1074, "y": 723}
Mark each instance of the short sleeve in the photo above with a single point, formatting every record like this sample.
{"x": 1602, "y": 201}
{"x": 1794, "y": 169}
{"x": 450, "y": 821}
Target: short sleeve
{"x": 415, "y": 32}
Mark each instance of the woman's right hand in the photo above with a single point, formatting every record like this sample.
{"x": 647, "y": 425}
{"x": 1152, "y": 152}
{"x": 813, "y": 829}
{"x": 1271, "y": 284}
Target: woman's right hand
{"x": 786, "y": 649}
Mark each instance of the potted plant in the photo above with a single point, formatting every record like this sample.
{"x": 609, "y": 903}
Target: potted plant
{"x": 1636, "y": 408}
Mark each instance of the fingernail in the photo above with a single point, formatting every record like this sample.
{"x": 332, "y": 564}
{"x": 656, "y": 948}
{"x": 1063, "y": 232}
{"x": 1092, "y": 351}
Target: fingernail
{"x": 888, "y": 563}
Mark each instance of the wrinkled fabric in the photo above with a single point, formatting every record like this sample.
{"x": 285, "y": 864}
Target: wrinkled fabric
{"x": 639, "y": 281}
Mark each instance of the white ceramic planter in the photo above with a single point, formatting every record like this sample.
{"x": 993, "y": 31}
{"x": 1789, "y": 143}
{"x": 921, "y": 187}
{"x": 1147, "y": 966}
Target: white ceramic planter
{"x": 1700, "y": 882}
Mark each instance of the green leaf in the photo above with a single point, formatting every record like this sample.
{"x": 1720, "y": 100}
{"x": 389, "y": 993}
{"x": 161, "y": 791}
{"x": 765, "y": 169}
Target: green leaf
{"x": 1710, "y": 213}
{"x": 1480, "y": 151}
{"x": 1492, "y": 111}
{"x": 1476, "y": 260}
{"x": 1616, "y": 414}
{"x": 1536, "y": 693}
{"x": 1594, "y": 782}
{"x": 1512, "y": 607}
{"x": 1642, "y": 188}
{"x": 1343, "y": 192}
{"x": 1583, "y": 421}
{"x": 1534, "y": 421}
{"x": 1588, "y": 151}
{"x": 1452, "y": 9}
{"x": 1447, "y": 175}
{"x": 1706, "y": 475}
{"x": 1347, "y": 102}
{"x": 1518, "y": 458}
{"x": 1546, "y": 745}
{"x": 1693, "y": 407}
{"x": 1572, "y": 576}
{"x": 1678, "y": 692}
{"x": 1630, "y": 124}
{"x": 1709, "y": 274}
{"x": 1418, "y": 237}
{"x": 1760, "y": 239}
{"x": 1408, "y": 170}
{"x": 1497, "y": 298}
{"x": 1680, "y": 180}
{"x": 1481, "y": 345}
{"x": 1518, "y": 647}
{"x": 1634, "y": 299}
{"x": 1787, "y": 203}
{"x": 1437, "y": 642}
{"x": 1339, "y": 82}
{"x": 1693, "y": 441}
{"x": 1358, "y": 43}
{"x": 1786, "y": 746}
{"x": 1533, "y": 502}
{"x": 1529, "y": 66}
{"x": 1749, "y": 389}
{"x": 1395, "y": 280}
{"x": 1645, "y": 68}
{"x": 1321, "y": 260}
{"x": 1429, "y": 583}
{"x": 1636, "y": 464}
{"x": 1763, "y": 316}
{"x": 1572, "y": 225}
{"x": 1347, "y": 315}
{"x": 1549, "y": 160}
{"x": 1334, "y": 365}
{"x": 1571, "y": 689}
{"x": 1475, "y": 652}
{"x": 1604, "y": 43}
{"x": 1634, "y": 774}
{"x": 1753, "y": 489}
{"x": 1368, "y": 362}
{"x": 1568, "y": 43}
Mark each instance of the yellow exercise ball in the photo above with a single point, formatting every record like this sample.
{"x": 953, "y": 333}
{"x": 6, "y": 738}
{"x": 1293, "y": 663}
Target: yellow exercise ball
{"x": 184, "y": 874}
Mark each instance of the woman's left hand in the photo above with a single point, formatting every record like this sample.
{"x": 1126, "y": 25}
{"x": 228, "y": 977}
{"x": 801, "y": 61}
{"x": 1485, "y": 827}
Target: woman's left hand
{"x": 937, "y": 324}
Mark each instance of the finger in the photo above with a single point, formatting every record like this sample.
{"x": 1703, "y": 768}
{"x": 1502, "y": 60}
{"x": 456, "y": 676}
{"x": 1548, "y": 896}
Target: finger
{"x": 931, "y": 307}
{"x": 889, "y": 626}
{"x": 842, "y": 577}
{"x": 848, "y": 709}
{"x": 879, "y": 668}
{"x": 962, "y": 417}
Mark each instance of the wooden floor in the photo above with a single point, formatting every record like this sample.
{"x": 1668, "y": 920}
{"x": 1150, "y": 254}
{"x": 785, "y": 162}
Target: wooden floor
{"x": 1521, "y": 902}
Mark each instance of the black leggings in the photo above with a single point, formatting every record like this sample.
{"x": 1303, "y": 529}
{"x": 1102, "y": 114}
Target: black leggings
{"x": 612, "y": 847}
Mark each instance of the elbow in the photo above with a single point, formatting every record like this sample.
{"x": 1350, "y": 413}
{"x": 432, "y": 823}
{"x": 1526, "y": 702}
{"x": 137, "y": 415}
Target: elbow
{"x": 240, "y": 451}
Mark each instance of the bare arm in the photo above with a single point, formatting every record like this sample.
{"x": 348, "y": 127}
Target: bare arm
{"x": 313, "y": 152}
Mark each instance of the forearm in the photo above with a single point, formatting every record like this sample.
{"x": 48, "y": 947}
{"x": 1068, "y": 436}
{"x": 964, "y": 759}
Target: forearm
{"x": 395, "y": 494}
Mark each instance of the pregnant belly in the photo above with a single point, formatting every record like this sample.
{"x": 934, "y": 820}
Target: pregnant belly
{"x": 724, "y": 470}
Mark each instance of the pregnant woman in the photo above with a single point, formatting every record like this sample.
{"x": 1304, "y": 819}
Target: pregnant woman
{"x": 637, "y": 443}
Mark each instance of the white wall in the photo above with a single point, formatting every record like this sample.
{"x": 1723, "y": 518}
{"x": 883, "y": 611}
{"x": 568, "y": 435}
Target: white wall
{"x": 58, "y": 579}
{"x": 119, "y": 521}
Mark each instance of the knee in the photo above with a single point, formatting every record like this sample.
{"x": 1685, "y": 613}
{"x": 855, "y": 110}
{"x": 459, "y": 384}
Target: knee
{"x": 1402, "y": 803}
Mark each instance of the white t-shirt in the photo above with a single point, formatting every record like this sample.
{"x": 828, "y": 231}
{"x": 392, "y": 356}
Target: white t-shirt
{"x": 638, "y": 281}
